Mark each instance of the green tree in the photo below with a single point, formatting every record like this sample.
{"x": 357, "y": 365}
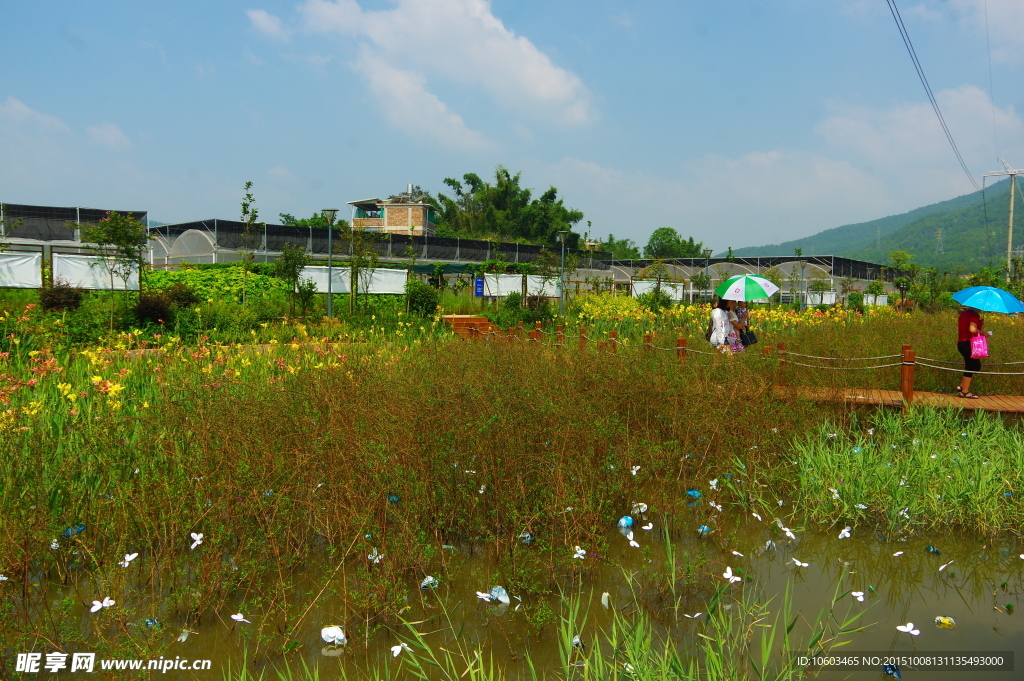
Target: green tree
{"x": 247, "y": 254}
{"x": 621, "y": 249}
{"x": 665, "y": 242}
{"x": 504, "y": 211}
{"x": 288, "y": 267}
{"x": 701, "y": 281}
{"x": 316, "y": 220}
{"x": 120, "y": 242}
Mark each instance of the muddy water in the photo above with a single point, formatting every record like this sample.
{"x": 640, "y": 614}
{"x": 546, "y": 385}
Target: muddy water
{"x": 979, "y": 580}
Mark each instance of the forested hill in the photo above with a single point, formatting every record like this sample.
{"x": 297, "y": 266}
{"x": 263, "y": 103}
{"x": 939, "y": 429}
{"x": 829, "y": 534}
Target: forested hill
{"x": 859, "y": 240}
{"x": 965, "y": 245}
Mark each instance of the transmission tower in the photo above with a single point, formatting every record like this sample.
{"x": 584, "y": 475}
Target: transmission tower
{"x": 938, "y": 241}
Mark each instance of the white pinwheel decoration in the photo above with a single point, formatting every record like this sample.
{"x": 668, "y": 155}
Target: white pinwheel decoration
{"x": 99, "y": 605}
{"x": 334, "y": 635}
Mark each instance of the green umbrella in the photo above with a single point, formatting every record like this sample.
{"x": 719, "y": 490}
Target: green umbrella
{"x": 746, "y": 287}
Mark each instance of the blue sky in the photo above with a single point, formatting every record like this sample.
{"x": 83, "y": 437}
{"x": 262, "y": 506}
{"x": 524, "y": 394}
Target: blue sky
{"x": 738, "y": 123}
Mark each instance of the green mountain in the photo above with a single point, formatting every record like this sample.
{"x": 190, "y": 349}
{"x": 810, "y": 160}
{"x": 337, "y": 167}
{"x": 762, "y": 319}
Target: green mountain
{"x": 962, "y": 220}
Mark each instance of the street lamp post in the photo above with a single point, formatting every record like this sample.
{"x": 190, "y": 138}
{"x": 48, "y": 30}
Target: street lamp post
{"x": 561, "y": 276}
{"x": 330, "y": 214}
{"x": 707, "y": 262}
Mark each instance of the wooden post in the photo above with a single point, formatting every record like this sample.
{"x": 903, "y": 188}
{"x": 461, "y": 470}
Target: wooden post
{"x": 613, "y": 341}
{"x": 583, "y": 339}
{"x": 519, "y": 331}
{"x": 907, "y": 376}
{"x": 681, "y": 348}
{"x": 600, "y": 346}
{"x": 560, "y": 338}
{"x": 648, "y": 344}
{"x": 511, "y": 334}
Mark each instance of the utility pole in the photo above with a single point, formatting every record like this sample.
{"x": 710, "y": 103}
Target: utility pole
{"x": 1009, "y": 230}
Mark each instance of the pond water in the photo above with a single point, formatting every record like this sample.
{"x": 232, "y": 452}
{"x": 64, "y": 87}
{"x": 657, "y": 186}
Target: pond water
{"x": 974, "y": 581}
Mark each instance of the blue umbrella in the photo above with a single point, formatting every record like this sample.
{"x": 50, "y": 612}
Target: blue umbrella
{"x": 989, "y": 299}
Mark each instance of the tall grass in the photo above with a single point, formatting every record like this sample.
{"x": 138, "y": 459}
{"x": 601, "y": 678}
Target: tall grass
{"x": 931, "y": 468}
{"x": 296, "y": 461}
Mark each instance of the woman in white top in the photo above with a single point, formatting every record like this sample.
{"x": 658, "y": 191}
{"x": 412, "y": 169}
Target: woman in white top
{"x": 721, "y": 327}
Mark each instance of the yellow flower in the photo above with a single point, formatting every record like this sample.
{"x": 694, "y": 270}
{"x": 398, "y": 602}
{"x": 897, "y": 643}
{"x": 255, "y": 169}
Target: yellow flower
{"x": 145, "y": 404}
{"x": 115, "y": 388}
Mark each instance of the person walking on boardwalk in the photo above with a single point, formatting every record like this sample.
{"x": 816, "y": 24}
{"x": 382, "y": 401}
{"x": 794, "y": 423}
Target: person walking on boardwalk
{"x": 969, "y": 325}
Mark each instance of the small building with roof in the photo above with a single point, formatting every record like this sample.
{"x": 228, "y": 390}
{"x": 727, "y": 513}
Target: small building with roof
{"x": 402, "y": 214}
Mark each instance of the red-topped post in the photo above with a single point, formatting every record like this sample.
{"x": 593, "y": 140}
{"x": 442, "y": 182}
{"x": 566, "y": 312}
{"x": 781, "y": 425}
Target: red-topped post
{"x": 613, "y": 341}
{"x": 681, "y": 348}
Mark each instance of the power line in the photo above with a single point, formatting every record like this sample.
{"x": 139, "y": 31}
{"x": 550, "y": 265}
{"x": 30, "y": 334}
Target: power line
{"x": 928, "y": 89}
{"x": 991, "y": 87}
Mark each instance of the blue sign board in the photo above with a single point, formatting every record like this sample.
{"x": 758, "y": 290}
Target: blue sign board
{"x": 479, "y": 287}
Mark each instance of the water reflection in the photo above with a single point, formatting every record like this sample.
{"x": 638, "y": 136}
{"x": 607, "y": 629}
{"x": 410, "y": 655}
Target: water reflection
{"x": 671, "y": 575}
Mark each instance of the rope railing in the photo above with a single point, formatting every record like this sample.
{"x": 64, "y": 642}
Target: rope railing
{"x": 946, "y": 361}
{"x": 815, "y": 366}
{"x": 844, "y": 359}
{"x": 983, "y": 373}
{"x": 908, "y": 362}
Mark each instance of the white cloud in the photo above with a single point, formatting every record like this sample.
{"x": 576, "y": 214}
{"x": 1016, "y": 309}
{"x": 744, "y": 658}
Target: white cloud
{"x": 460, "y": 41}
{"x": 623, "y": 20}
{"x": 1005, "y": 24}
{"x": 757, "y": 198}
{"x": 909, "y": 136}
{"x": 15, "y": 114}
{"x": 405, "y": 102}
{"x": 269, "y": 25}
{"x": 108, "y": 135}
{"x": 924, "y": 12}
{"x": 281, "y": 174}
{"x": 871, "y": 163}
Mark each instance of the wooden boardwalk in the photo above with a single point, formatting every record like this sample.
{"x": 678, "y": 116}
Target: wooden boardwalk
{"x": 1012, "y": 404}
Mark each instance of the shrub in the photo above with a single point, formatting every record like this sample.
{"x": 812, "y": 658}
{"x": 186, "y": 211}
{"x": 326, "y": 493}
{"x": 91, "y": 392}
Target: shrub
{"x": 512, "y": 301}
{"x": 306, "y": 294}
{"x": 179, "y": 295}
{"x": 423, "y": 299}
{"x": 61, "y": 296}
{"x": 654, "y": 300}
{"x": 153, "y": 308}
